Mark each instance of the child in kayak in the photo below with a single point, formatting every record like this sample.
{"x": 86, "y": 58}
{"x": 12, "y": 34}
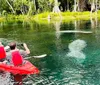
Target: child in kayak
{"x": 2, "y": 53}
{"x": 16, "y": 56}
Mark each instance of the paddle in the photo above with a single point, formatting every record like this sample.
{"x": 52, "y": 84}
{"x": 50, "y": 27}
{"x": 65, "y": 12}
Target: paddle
{"x": 40, "y": 56}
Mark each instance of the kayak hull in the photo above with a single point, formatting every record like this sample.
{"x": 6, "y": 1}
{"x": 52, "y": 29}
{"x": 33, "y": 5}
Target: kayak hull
{"x": 27, "y": 68}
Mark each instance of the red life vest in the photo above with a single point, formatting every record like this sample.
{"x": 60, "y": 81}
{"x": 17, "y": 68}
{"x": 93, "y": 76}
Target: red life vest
{"x": 2, "y": 52}
{"x": 17, "y": 59}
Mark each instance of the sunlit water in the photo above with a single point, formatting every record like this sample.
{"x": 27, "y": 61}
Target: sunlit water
{"x": 72, "y": 58}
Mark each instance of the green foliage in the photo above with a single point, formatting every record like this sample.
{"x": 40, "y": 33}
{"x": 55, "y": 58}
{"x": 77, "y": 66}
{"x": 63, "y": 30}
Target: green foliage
{"x": 19, "y": 4}
{"x": 98, "y": 11}
{"x": 2, "y": 19}
{"x": 64, "y": 16}
{"x": 4, "y": 13}
{"x": 42, "y": 15}
{"x": 32, "y": 7}
{"x": 3, "y": 6}
{"x": 16, "y": 17}
{"x": 44, "y": 5}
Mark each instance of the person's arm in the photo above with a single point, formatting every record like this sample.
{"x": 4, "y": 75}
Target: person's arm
{"x": 7, "y": 48}
{"x": 26, "y": 48}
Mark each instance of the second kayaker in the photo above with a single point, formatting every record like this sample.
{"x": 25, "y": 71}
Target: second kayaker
{"x": 16, "y": 56}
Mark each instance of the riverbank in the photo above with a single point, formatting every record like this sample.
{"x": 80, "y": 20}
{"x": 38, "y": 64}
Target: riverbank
{"x": 49, "y": 17}
{"x": 66, "y": 16}
{"x": 2, "y": 19}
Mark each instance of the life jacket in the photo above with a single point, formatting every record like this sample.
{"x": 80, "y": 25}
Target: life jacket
{"x": 2, "y": 52}
{"x": 17, "y": 59}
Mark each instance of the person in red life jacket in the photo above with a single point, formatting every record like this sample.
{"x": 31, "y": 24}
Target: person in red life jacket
{"x": 2, "y": 53}
{"x": 16, "y": 56}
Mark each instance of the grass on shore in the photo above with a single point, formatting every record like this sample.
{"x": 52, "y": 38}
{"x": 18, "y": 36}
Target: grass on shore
{"x": 49, "y": 16}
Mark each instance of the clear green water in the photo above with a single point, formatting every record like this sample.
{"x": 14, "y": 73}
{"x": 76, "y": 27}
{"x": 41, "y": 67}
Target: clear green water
{"x": 57, "y": 68}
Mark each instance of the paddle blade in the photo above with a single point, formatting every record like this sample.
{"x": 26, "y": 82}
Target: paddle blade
{"x": 40, "y": 56}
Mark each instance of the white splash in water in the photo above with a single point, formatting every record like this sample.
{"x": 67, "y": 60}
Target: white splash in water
{"x": 75, "y": 50}
{"x": 5, "y": 79}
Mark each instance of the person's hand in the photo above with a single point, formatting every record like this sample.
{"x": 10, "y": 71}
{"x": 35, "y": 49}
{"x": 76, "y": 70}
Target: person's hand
{"x": 26, "y": 48}
{"x": 24, "y": 44}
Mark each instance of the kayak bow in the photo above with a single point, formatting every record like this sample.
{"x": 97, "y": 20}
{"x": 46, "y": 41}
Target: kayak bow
{"x": 27, "y": 68}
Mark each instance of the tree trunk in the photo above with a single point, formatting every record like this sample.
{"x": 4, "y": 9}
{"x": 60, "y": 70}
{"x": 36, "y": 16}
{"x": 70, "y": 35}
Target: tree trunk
{"x": 96, "y": 5}
{"x": 34, "y": 4}
{"x": 56, "y": 7}
{"x": 99, "y": 4}
{"x": 30, "y": 9}
{"x": 21, "y": 9}
{"x": 67, "y": 5}
{"x": 83, "y": 5}
{"x": 92, "y": 6}
{"x": 75, "y": 5}
{"x": 10, "y": 6}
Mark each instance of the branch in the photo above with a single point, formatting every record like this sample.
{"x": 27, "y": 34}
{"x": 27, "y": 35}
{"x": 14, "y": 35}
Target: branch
{"x": 10, "y": 6}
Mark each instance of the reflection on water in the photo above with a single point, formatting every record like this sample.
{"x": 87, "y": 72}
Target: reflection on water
{"x": 75, "y": 50}
{"x": 18, "y": 79}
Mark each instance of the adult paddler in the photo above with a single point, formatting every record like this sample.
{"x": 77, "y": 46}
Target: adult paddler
{"x": 16, "y": 56}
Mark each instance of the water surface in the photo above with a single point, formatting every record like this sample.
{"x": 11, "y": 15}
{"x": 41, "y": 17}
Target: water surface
{"x": 81, "y": 67}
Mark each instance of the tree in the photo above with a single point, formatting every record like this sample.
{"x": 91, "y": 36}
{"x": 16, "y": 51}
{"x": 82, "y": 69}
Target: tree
{"x": 31, "y": 7}
{"x": 10, "y": 6}
{"x": 4, "y": 6}
{"x": 44, "y": 5}
{"x": 83, "y": 5}
{"x": 92, "y": 5}
{"x": 96, "y": 5}
{"x": 56, "y": 6}
{"x": 76, "y": 5}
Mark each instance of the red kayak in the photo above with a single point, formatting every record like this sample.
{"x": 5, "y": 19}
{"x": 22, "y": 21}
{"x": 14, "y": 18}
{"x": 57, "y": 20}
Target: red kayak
{"x": 27, "y": 68}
